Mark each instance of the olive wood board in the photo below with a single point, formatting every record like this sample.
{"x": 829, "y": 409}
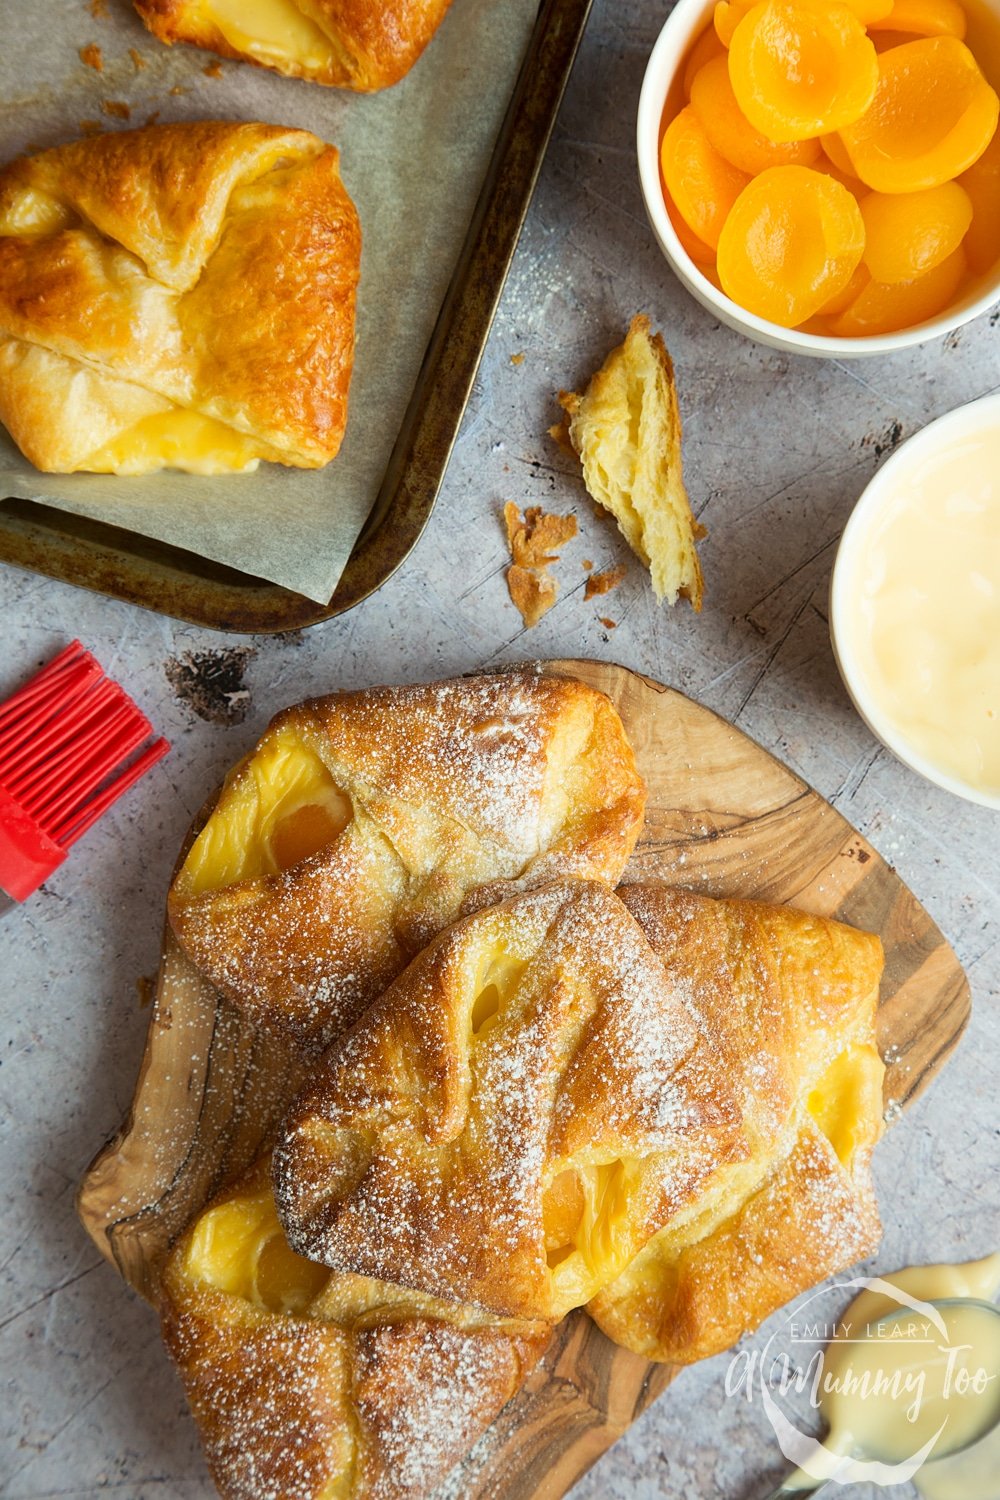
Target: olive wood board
{"x": 724, "y": 817}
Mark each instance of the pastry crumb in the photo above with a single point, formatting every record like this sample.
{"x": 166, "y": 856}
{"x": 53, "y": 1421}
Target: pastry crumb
{"x": 117, "y": 108}
{"x": 517, "y": 359}
{"x": 138, "y": 61}
{"x": 626, "y": 430}
{"x": 179, "y": 89}
{"x": 608, "y": 624}
{"x": 603, "y": 583}
{"x": 533, "y": 591}
{"x": 92, "y": 57}
{"x": 98, "y": 9}
{"x": 213, "y": 70}
{"x": 532, "y": 539}
{"x": 587, "y": 564}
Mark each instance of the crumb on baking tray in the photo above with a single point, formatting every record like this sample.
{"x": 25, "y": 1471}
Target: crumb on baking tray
{"x": 138, "y": 61}
{"x": 608, "y": 624}
{"x": 98, "y": 9}
{"x": 117, "y": 108}
{"x": 92, "y": 57}
{"x": 532, "y": 539}
{"x": 517, "y": 359}
{"x": 212, "y": 70}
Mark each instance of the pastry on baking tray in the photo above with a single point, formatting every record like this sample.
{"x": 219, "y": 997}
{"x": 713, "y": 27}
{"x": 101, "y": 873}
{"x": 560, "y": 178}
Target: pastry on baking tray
{"x": 788, "y": 1001}
{"x": 665, "y": 1112}
{"x": 626, "y": 430}
{"x": 180, "y": 296}
{"x": 352, "y": 44}
{"x": 306, "y": 1384}
{"x": 365, "y": 822}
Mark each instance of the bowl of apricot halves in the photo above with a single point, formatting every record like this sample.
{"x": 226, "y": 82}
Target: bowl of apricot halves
{"x": 824, "y": 175}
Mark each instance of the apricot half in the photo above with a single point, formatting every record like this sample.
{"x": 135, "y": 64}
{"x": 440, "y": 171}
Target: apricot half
{"x": 800, "y": 68}
{"x": 922, "y": 18}
{"x": 732, "y": 134}
{"x": 885, "y": 307}
{"x": 932, "y": 115}
{"x": 705, "y": 48}
{"x": 907, "y": 234}
{"x": 982, "y": 183}
{"x": 793, "y": 239}
{"x": 703, "y": 185}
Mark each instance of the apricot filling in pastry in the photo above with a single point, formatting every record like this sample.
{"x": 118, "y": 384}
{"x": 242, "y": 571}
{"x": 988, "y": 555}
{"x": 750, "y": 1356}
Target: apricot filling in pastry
{"x": 354, "y": 44}
{"x": 364, "y": 822}
{"x": 311, "y": 1385}
{"x": 177, "y": 297}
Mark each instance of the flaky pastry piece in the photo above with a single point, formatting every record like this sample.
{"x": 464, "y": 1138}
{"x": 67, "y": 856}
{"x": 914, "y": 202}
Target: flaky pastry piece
{"x": 626, "y": 430}
{"x": 515, "y": 1117}
{"x": 363, "y": 823}
{"x": 308, "y": 1385}
{"x": 180, "y": 296}
{"x": 788, "y": 1001}
{"x": 352, "y": 44}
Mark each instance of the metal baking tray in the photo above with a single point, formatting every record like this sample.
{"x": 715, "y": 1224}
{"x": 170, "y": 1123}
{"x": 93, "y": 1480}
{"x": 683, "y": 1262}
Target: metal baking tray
{"x": 140, "y": 570}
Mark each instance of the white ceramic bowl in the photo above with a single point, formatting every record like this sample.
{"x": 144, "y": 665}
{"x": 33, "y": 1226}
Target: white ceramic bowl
{"x": 844, "y": 585}
{"x": 683, "y": 25}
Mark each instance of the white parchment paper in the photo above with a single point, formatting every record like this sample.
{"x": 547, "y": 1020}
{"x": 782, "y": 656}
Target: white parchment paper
{"x": 413, "y": 158}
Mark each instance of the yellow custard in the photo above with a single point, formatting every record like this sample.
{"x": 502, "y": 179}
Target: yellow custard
{"x": 917, "y": 600}
{"x": 918, "y": 1382}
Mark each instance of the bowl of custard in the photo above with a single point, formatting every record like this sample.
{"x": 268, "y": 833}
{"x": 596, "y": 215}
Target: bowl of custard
{"x": 915, "y": 602}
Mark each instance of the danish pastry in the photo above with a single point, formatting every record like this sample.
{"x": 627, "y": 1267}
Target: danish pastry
{"x": 788, "y": 1001}
{"x": 662, "y": 1106}
{"x": 353, "y": 44}
{"x": 515, "y": 1117}
{"x": 180, "y": 296}
{"x": 363, "y": 823}
{"x": 308, "y": 1385}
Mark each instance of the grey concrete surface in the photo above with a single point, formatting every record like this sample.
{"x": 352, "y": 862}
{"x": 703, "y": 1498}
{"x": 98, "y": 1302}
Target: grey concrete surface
{"x": 776, "y": 449}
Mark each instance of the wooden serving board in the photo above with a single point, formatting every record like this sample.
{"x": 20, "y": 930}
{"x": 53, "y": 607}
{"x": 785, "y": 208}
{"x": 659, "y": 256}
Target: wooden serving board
{"x": 725, "y": 818}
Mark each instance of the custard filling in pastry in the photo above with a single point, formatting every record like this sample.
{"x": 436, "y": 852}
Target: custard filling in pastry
{"x": 274, "y": 32}
{"x": 177, "y": 297}
{"x": 355, "y": 44}
{"x": 363, "y": 823}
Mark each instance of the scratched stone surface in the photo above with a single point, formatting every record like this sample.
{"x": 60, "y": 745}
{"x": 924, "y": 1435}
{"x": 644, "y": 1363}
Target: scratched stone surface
{"x": 776, "y": 450}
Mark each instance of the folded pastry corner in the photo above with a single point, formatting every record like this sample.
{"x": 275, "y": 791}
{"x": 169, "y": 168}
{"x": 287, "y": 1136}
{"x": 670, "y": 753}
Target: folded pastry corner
{"x": 515, "y": 1117}
{"x": 309, "y": 1385}
{"x": 363, "y": 823}
{"x": 180, "y": 296}
{"x": 789, "y": 1003}
{"x": 352, "y": 44}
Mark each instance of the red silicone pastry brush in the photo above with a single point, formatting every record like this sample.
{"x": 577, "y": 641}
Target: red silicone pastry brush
{"x": 66, "y": 742}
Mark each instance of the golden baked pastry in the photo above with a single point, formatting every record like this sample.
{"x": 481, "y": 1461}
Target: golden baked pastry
{"x": 788, "y": 1001}
{"x": 662, "y": 1106}
{"x": 363, "y": 823}
{"x": 314, "y": 1386}
{"x": 626, "y": 430}
{"x": 515, "y": 1117}
{"x": 353, "y": 44}
{"x": 180, "y": 296}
